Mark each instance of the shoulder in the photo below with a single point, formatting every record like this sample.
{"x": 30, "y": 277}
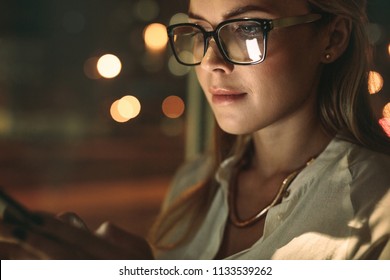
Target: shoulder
{"x": 364, "y": 165}
{"x": 369, "y": 169}
{"x": 362, "y": 173}
{"x": 370, "y": 189}
{"x": 189, "y": 174}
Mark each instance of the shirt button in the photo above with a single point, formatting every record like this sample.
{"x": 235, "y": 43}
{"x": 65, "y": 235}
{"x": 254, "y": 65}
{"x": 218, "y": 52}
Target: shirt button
{"x": 286, "y": 194}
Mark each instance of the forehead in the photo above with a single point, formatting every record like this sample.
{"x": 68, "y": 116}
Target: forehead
{"x": 223, "y": 9}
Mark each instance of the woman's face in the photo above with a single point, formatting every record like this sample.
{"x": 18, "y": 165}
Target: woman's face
{"x": 246, "y": 99}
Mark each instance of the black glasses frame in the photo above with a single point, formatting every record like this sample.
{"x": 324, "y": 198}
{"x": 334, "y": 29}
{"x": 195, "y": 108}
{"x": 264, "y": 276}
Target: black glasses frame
{"x": 266, "y": 25}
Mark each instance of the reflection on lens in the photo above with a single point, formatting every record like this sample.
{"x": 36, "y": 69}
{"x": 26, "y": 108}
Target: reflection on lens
{"x": 242, "y": 41}
{"x": 253, "y": 49}
{"x": 187, "y": 57}
{"x": 188, "y": 44}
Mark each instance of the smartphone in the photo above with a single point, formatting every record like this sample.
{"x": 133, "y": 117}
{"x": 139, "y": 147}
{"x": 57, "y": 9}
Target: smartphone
{"x": 11, "y": 211}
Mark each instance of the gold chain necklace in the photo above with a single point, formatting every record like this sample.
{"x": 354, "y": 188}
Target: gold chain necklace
{"x": 233, "y": 216}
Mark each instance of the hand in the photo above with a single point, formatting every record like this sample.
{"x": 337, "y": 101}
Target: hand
{"x": 51, "y": 238}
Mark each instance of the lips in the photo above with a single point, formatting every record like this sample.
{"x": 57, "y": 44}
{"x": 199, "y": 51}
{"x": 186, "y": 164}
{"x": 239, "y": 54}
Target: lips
{"x": 226, "y": 96}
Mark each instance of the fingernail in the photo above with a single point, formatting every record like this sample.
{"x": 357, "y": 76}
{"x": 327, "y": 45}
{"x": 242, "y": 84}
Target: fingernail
{"x": 19, "y": 233}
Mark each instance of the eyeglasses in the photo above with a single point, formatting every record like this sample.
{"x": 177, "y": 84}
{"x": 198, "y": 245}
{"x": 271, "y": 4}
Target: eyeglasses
{"x": 240, "y": 41}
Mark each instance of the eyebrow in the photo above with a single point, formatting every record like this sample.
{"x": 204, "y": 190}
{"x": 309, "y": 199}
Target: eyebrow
{"x": 233, "y": 13}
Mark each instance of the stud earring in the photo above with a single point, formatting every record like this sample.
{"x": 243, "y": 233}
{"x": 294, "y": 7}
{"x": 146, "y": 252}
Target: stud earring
{"x": 328, "y": 56}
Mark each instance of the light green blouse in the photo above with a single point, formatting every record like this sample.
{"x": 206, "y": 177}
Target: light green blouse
{"x": 338, "y": 207}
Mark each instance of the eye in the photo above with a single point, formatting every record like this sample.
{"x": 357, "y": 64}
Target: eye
{"x": 248, "y": 29}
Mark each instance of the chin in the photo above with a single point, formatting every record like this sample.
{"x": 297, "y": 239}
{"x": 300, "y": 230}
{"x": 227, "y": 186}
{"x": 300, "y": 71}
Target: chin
{"x": 234, "y": 128}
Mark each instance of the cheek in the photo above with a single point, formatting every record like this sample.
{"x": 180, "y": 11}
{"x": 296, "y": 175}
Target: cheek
{"x": 202, "y": 77}
{"x": 293, "y": 68}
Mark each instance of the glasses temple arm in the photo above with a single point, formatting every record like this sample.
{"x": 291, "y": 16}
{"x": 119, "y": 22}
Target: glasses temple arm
{"x": 291, "y": 21}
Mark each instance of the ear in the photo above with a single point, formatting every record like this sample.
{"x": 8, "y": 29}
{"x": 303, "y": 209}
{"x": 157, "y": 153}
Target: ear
{"x": 337, "y": 35}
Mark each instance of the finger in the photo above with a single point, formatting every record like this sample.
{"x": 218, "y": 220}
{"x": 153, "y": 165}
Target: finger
{"x": 72, "y": 219}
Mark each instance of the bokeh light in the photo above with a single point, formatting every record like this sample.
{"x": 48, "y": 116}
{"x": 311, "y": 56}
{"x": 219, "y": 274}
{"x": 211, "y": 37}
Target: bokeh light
{"x": 173, "y": 107}
{"x": 109, "y": 66}
{"x": 375, "y": 82}
{"x": 178, "y": 18}
{"x": 155, "y": 37}
{"x": 375, "y": 33}
{"x": 388, "y": 49}
{"x": 176, "y": 68}
{"x": 385, "y": 121}
{"x": 146, "y": 10}
{"x": 386, "y": 111}
{"x": 90, "y": 69}
{"x": 5, "y": 121}
{"x": 172, "y": 127}
{"x": 115, "y": 114}
{"x": 153, "y": 63}
{"x": 125, "y": 108}
{"x": 129, "y": 106}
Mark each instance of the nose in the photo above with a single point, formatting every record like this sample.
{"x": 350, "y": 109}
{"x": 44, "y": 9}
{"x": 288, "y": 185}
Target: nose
{"x": 214, "y": 61}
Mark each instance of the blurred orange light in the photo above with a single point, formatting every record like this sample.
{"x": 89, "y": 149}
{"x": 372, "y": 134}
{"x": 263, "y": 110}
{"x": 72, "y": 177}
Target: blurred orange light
{"x": 385, "y": 123}
{"x": 109, "y": 66}
{"x": 155, "y": 36}
{"x": 173, "y": 107}
{"x": 126, "y": 108}
{"x": 388, "y": 49}
{"x": 115, "y": 113}
{"x": 375, "y": 82}
{"x": 386, "y": 111}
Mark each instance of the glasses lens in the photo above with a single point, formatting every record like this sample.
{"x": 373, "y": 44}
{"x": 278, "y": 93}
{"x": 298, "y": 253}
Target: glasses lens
{"x": 243, "y": 41}
{"x": 188, "y": 44}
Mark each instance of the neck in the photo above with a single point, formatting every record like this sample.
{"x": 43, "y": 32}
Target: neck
{"x": 279, "y": 151}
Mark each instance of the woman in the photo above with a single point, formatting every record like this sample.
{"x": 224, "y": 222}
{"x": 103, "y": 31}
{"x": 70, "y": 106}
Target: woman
{"x": 300, "y": 164}
{"x": 301, "y": 179}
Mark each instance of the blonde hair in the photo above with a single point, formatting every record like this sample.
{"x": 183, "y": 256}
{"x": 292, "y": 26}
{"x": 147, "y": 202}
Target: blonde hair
{"x": 343, "y": 100}
{"x": 343, "y": 107}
